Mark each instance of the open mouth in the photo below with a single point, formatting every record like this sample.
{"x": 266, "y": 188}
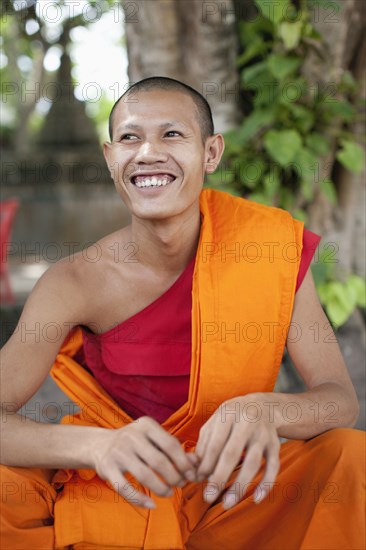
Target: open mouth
{"x": 152, "y": 180}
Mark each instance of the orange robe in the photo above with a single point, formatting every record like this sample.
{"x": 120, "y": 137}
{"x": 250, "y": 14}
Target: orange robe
{"x": 242, "y": 299}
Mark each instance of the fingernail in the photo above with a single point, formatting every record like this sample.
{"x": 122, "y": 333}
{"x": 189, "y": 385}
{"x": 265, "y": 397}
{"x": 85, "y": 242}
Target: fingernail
{"x": 259, "y": 494}
{"x": 229, "y": 501}
{"x": 210, "y": 494}
{"x": 191, "y": 476}
{"x": 258, "y": 497}
{"x": 149, "y": 504}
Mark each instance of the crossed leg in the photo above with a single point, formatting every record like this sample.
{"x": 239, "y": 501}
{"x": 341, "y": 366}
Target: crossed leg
{"x": 318, "y": 502}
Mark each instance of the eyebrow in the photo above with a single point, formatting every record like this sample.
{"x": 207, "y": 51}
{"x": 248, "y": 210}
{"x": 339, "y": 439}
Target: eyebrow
{"x": 163, "y": 126}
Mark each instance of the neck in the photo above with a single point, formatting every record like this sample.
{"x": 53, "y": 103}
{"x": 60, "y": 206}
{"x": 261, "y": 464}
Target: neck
{"x": 167, "y": 245}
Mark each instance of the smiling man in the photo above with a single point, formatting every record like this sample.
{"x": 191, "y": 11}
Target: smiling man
{"x": 172, "y": 357}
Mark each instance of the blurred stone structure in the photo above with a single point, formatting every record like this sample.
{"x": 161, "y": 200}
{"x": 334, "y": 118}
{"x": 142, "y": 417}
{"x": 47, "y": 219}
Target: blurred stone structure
{"x": 62, "y": 181}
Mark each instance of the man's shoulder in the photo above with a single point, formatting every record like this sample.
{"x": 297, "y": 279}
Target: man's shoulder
{"x": 82, "y": 269}
{"x": 96, "y": 255}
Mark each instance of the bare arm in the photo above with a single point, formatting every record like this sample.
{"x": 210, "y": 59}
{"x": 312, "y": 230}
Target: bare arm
{"x": 331, "y": 400}
{"x": 48, "y": 315}
{"x": 55, "y": 305}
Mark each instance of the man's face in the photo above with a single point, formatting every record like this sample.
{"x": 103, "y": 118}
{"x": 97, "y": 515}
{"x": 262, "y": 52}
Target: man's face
{"x": 157, "y": 157}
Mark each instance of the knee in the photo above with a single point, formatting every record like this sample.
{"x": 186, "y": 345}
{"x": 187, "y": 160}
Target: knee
{"x": 25, "y": 485}
{"x": 27, "y": 503}
{"x": 344, "y": 442}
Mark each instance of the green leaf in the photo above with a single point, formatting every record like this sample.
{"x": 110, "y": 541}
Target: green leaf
{"x": 359, "y": 287}
{"x": 215, "y": 178}
{"x": 286, "y": 198}
{"x": 260, "y": 197}
{"x": 282, "y": 145}
{"x": 307, "y": 189}
{"x": 327, "y": 187}
{"x": 337, "y": 313}
{"x": 250, "y": 30}
{"x": 351, "y": 156}
{"x": 304, "y": 118}
{"x": 290, "y": 33}
{"x": 257, "y": 120}
{"x": 343, "y": 109}
{"x": 232, "y": 145}
{"x": 311, "y": 32}
{"x": 292, "y": 90}
{"x": 319, "y": 272}
{"x": 305, "y": 166}
{"x": 317, "y": 143}
{"x": 250, "y": 74}
{"x": 300, "y": 214}
{"x": 271, "y": 182}
{"x": 282, "y": 65}
{"x": 341, "y": 301}
{"x": 256, "y": 47}
{"x": 252, "y": 172}
{"x": 348, "y": 82}
{"x": 274, "y": 11}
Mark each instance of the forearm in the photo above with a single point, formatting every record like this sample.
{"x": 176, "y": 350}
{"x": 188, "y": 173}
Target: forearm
{"x": 307, "y": 414}
{"x": 25, "y": 443}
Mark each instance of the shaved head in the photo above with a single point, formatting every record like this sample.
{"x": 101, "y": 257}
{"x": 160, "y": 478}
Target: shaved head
{"x": 204, "y": 114}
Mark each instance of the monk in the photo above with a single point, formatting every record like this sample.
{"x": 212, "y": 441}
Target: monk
{"x": 170, "y": 346}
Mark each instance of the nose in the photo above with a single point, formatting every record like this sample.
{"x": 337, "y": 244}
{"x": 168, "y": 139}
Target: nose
{"x": 150, "y": 152}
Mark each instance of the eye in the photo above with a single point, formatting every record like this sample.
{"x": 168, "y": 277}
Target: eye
{"x": 128, "y": 137}
{"x": 173, "y": 132}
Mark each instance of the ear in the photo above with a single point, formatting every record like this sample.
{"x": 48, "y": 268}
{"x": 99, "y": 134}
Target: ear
{"x": 214, "y": 149}
{"x": 107, "y": 152}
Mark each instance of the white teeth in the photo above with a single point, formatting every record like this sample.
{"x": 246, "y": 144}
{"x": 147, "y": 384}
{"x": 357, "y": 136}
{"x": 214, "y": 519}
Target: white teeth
{"x": 152, "y": 182}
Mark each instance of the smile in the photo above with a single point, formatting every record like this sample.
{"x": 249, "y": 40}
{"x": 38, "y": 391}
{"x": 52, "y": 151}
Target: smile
{"x": 156, "y": 180}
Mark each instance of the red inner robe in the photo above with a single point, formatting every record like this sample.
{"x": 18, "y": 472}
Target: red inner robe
{"x": 144, "y": 362}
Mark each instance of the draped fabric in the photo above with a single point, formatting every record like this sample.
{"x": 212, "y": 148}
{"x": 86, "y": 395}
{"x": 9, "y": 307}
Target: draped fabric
{"x": 243, "y": 292}
{"x": 144, "y": 362}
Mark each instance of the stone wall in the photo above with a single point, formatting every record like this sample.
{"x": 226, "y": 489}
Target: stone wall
{"x": 66, "y": 199}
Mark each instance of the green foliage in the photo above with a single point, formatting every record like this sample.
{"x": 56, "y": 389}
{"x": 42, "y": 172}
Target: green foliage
{"x": 340, "y": 294}
{"x": 282, "y": 145}
{"x": 288, "y": 127}
{"x": 351, "y": 156}
{"x": 22, "y": 52}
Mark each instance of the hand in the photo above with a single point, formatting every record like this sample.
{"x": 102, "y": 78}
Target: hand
{"x": 143, "y": 448}
{"x": 221, "y": 441}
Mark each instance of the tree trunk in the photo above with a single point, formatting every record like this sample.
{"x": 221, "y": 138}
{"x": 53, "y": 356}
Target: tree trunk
{"x": 193, "y": 41}
{"x": 345, "y": 224}
{"x": 343, "y": 33}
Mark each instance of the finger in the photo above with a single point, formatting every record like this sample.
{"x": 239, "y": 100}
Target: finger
{"x": 158, "y": 461}
{"x": 195, "y": 460}
{"x": 229, "y": 459}
{"x": 251, "y": 465}
{"x": 201, "y": 444}
{"x": 148, "y": 478}
{"x": 219, "y": 435}
{"x": 129, "y": 492}
{"x": 271, "y": 471}
{"x": 172, "y": 448}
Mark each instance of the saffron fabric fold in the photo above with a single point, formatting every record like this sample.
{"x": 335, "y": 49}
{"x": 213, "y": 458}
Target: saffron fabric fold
{"x": 144, "y": 362}
{"x": 243, "y": 290}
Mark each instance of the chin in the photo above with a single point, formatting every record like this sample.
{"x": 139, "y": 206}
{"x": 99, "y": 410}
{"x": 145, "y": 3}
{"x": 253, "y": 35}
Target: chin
{"x": 156, "y": 213}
